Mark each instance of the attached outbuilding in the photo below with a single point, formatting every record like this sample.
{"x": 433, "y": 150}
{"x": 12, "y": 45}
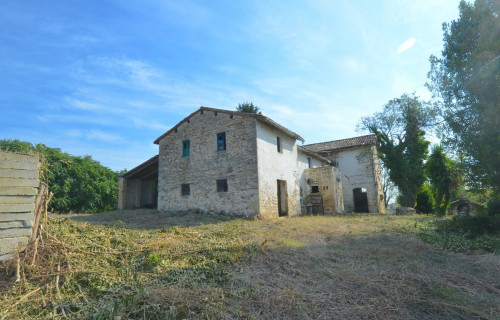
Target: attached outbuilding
{"x": 139, "y": 186}
{"x": 357, "y": 160}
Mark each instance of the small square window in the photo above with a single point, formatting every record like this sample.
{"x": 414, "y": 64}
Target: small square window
{"x": 278, "y": 144}
{"x": 185, "y": 190}
{"x": 222, "y": 185}
{"x": 221, "y": 141}
{"x": 185, "y": 148}
{"x": 314, "y": 189}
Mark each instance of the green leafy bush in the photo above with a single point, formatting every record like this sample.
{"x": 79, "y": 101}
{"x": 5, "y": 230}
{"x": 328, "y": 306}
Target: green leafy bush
{"x": 425, "y": 200}
{"x": 79, "y": 184}
{"x": 493, "y": 206}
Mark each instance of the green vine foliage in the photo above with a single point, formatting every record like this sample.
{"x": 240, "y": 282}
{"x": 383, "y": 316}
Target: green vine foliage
{"x": 79, "y": 184}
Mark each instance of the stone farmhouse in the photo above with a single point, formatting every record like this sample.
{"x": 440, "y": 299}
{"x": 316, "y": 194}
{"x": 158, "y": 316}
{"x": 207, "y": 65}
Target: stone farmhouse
{"x": 221, "y": 161}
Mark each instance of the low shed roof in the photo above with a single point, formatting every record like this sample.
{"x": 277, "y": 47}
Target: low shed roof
{"x": 147, "y": 169}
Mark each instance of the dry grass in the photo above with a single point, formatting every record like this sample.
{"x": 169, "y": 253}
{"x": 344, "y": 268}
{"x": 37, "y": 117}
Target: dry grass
{"x": 360, "y": 267}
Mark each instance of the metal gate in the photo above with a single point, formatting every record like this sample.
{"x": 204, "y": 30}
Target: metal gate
{"x": 317, "y": 204}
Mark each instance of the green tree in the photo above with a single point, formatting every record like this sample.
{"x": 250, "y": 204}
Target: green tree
{"x": 248, "y": 107}
{"x": 466, "y": 82}
{"x": 79, "y": 184}
{"x": 402, "y": 145}
{"x": 444, "y": 176}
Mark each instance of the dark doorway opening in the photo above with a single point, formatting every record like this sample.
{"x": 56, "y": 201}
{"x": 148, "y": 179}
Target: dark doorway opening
{"x": 360, "y": 200}
{"x": 282, "y": 198}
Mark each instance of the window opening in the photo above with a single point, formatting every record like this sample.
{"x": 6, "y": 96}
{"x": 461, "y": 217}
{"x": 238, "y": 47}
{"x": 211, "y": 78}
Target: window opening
{"x": 185, "y": 148}
{"x": 222, "y": 185}
{"x": 221, "y": 141}
{"x": 185, "y": 190}
{"x": 278, "y": 144}
{"x": 314, "y": 189}
{"x": 309, "y": 162}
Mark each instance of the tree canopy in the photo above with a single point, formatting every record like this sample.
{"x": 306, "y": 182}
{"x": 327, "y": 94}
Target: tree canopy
{"x": 248, "y": 107}
{"x": 403, "y": 148}
{"x": 466, "y": 82}
{"x": 79, "y": 184}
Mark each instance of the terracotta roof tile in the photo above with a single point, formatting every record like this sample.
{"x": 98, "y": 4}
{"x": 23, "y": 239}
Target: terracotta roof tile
{"x": 337, "y": 145}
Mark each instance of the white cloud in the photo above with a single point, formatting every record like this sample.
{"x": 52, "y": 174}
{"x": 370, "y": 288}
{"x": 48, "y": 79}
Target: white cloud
{"x": 406, "y": 45}
{"x": 153, "y": 125}
{"x": 352, "y": 66}
{"x": 94, "y": 134}
{"x": 83, "y": 105}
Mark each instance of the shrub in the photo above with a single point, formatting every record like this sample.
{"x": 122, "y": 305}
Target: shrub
{"x": 493, "y": 206}
{"x": 425, "y": 200}
{"x": 472, "y": 227}
{"x": 79, "y": 184}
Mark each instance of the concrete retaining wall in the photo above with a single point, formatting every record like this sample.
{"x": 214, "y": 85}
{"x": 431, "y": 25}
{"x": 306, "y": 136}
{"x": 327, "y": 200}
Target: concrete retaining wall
{"x": 18, "y": 188}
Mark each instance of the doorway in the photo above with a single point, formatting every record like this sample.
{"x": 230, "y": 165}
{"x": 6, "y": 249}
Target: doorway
{"x": 282, "y": 198}
{"x": 360, "y": 200}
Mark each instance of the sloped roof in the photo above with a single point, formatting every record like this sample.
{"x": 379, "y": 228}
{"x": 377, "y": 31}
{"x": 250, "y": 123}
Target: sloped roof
{"x": 150, "y": 165}
{"x": 241, "y": 114}
{"x": 337, "y": 145}
{"x": 311, "y": 153}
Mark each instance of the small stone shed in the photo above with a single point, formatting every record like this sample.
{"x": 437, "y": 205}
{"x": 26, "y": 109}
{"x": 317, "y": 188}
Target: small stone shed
{"x": 464, "y": 207}
{"x": 19, "y": 183}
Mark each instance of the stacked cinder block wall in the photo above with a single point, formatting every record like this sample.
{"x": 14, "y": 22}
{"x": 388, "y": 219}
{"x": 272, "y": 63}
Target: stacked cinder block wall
{"x": 205, "y": 164}
{"x": 19, "y": 175}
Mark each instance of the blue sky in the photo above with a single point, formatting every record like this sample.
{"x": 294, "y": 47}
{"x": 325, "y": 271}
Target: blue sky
{"x": 106, "y": 78}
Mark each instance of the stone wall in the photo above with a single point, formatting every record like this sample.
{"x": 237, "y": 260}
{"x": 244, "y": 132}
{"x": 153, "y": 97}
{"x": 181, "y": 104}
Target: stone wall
{"x": 18, "y": 188}
{"x": 360, "y": 169}
{"x": 302, "y": 165}
{"x": 328, "y": 181}
{"x": 274, "y": 166}
{"x": 204, "y": 165}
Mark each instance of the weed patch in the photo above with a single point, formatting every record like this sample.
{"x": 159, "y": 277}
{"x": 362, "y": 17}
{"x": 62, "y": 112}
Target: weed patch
{"x": 461, "y": 234}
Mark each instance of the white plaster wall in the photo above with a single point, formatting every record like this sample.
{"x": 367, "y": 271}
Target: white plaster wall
{"x": 358, "y": 171}
{"x": 273, "y": 166}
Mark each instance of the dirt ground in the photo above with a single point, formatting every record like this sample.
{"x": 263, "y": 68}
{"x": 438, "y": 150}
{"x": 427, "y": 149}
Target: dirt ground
{"x": 359, "y": 267}
{"x": 147, "y": 219}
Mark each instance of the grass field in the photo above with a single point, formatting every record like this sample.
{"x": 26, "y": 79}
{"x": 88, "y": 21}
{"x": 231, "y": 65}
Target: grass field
{"x": 145, "y": 265}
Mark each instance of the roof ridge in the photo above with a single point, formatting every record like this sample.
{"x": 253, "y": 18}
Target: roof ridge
{"x": 342, "y": 144}
{"x": 243, "y": 114}
{"x": 337, "y": 140}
